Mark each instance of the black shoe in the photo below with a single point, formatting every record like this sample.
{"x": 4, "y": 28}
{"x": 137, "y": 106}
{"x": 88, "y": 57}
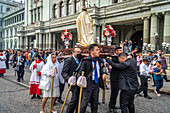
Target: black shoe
{"x": 167, "y": 80}
{"x": 33, "y": 96}
{"x": 148, "y": 97}
{"x": 60, "y": 101}
{"x": 22, "y": 79}
{"x": 38, "y": 96}
{"x": 98, "y": 103}
{"x": 138, "y": 95}
{"x": 18, "y": 80}
{"x": 153, "y": 85}
{"x": 113, "y": 110}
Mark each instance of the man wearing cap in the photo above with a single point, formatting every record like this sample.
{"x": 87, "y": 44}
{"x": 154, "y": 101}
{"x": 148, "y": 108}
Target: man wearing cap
{"x": 114, "y": 82}
{"x": 144, "y": 75}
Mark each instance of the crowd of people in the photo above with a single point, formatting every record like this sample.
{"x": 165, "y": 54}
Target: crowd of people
{"x": 124, "y": 73}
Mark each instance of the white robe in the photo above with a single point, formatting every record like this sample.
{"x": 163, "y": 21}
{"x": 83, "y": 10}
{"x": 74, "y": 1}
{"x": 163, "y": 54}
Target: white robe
{"x": 2, "y": 63}
{"x": 60, "y": 68}
{"x": 34, "y": 78}
{"x": 46, "y": 76}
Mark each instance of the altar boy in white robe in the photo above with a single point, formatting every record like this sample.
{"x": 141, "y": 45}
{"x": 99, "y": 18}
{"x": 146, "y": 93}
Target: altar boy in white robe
{"x": 35, "y": 68}
{"x": 2, "y": 63}
{"x": 49, "y": 70}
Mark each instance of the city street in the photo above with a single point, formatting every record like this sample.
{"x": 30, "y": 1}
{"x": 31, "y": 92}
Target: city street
{"x": 15, "y": 98}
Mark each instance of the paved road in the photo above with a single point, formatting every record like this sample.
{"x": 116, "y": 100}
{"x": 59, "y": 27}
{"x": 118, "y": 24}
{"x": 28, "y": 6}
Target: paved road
{"x": 14, "y": 98}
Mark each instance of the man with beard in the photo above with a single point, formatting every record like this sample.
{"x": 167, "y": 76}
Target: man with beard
{"x": 70, "y": 66}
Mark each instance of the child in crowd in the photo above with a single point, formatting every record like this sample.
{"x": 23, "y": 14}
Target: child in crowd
{"x": 158, "y": 70}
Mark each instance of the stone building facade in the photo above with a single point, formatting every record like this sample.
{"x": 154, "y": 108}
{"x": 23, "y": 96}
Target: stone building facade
{"x": 11, "y": 16}
{"x": 136, "y": 20}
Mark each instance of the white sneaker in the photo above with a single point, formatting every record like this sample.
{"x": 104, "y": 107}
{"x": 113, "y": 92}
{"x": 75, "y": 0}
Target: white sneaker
{"x": 54, "y": 111}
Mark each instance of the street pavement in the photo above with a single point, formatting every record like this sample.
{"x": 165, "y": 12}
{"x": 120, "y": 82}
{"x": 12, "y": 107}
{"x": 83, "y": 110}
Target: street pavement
{"x": 15, "y": 98}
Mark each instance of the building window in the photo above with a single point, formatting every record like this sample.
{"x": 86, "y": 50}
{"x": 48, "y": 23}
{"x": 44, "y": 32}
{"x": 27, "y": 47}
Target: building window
{"x": 1, "y": 9}
{"x": 31, "y": 16}
{"x": 15, "y": 31}
{"x": 55, "y": 11}
{"x": 7, "y": 9}
{"x": 22, "y": 16}
{"x": 115, "y": 1}
{"x": 11, "y": 45}
{"x": 11, "y": 32}
{"x": 0, "y": 23}
{"x": 69, "y": 7}
{"x": 17, "y": 18}
{"x": 61, "y": 9}
{"x": 38, "y": 14}
{"x": 35, "y": 16}
{"x": 77, "y": 6}
{"x": 87, "y": 3}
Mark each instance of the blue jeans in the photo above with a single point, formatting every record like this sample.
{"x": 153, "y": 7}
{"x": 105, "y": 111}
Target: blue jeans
{"x": 159, "y": 85}
{"x": 138, "y": 71}
{"x": 27, "y": 64}
{"x": 130, "y": 49}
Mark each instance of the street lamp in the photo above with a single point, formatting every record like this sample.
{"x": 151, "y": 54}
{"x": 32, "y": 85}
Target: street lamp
{"x": 149, "y": 46}
{"x": 163, "y": 46}
{"x": 167, "y": 47}
{"x": 156, "y": 37}
{"x": 145, "y": 45}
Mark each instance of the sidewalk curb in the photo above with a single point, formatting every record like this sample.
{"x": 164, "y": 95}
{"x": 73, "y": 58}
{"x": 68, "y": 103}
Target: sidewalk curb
{"x": 149, "y": 89}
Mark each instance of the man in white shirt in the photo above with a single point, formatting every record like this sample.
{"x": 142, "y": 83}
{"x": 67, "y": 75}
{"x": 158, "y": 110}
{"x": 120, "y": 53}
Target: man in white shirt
{"x": 144, "y": 74}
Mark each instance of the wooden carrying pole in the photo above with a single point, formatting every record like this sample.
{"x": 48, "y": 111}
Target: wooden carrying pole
{"x": 51, "y": 100}
{"x": 80, "y": 95}
{"x": 103, "y": 97}
{"x": 67, "y": 95}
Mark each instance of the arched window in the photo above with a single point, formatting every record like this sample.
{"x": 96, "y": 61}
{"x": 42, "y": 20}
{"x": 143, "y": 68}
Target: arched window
{"x": 69, "y": 7}
{"x": 55, "y": 11}
{"x": 61, "y": 9}
{"x": 78, "y": 6}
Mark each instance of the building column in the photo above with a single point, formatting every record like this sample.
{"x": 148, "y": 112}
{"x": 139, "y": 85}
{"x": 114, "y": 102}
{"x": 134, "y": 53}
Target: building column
{"x": 44, "y": 42}
{"x": 95, "y": 32}
{"x": 37, "y": 41}
{"x": 166, "y": 27}
{"x": 50, "y": 41}
{"x": 41, "y": 13}
{"x": 73, "y": 6}
{"x": 65, "y": 8}
{"x": 146, "y": 30}
{"x": 26, "y": 42}
{"x": 154, "y": 29}
{"x": 54, "y": 41}
{"x": 19, "y": 44}
{"x": 103, "y": 40}
{"x": 37, "y": 14}
{"x": 40, "y": 41}
{"x": 58, "y": 10}
{"x": 47, "y": 40}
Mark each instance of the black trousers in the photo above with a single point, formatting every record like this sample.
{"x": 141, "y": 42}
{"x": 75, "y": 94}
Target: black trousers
{"x": 61, "y": 86}
{"x": 20, "y": 73}
{"x": 113, "y": 95}
{"x": 144, "y": 85}
{"x": 127, "y": 101}
{"x": 7, "y": 64}
{"x": 92, "y": 97}
{"x": 73, "y": 104}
